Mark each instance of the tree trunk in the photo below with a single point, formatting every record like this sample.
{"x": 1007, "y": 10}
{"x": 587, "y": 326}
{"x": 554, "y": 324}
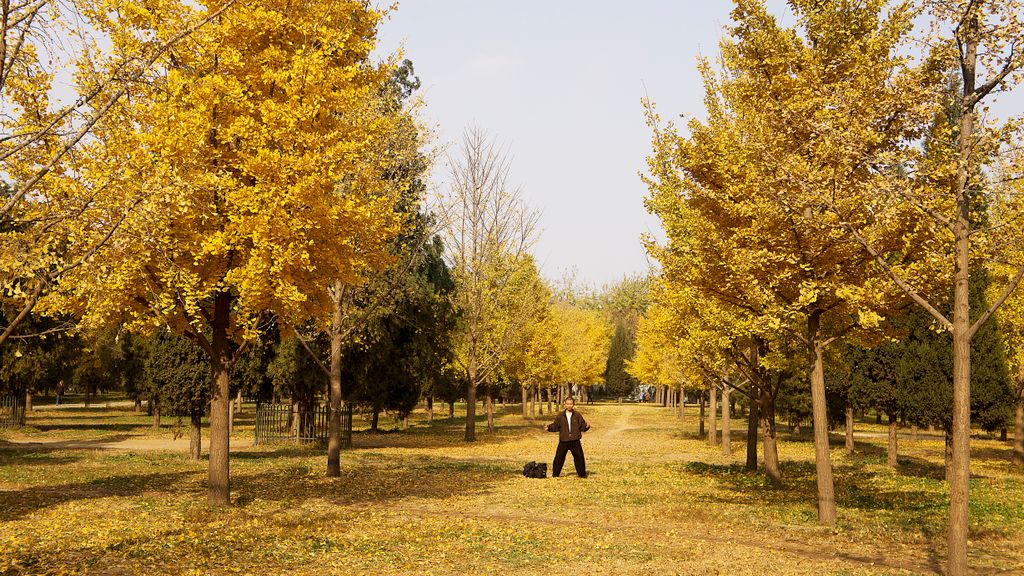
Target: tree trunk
{"x": 430, "y": 408}
{"x": 375, "y": 420}
{"x": 700, "y": 430}
{"x": 948, "y": 454}
{"x": 822, "y": 451}
{"x": 195, "y": 435}
{"x": 1018, "y": 435}
{"x": 960, "y": 456}
{"x": 771, "y": 449}
{"x": 471, "y": 375}
{"x": 471, "y": 395}
{"x": 726, "y": 423}
{"x": 533, "y": 401}
{"x": 471, "y": 409}
{"x": 156, "y": 415}
{"x": 713, "y": 416}
{"x": 550, "y": 409}
{"x": 891, "y": 452}
{"x": 489, "y": 403}
{"x": 138, "y": 405}
{"x": 28, "y": 401}
{"x": 451, "y": 410}
{"x": 219, "y": 488}
{"x": 238, "y": 402}
{"x": 682, "y": 405}
{"x": 849, "y": 430}
{"x": 753, "y": 418}
{"x": 664, "y": 397}
{"x": 231, "y": 417}
{"x": 913, "y": 433}
{"x": 405, "y": 422}
{"x": 526, "y": 400}
{"x": 968, "y": 36}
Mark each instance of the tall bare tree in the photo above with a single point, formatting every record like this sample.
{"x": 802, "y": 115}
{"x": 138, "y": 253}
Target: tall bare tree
{"x": 490, "y": 231}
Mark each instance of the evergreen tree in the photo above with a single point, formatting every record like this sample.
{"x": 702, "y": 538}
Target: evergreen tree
{"x": 177, "y": 374}
{"x": 250, "y": 372}
{"x": 406, "y": 346}
{"x": 296, "y": 375}
{"x": 925, "y": 365}
{"x": 617, "y": 381}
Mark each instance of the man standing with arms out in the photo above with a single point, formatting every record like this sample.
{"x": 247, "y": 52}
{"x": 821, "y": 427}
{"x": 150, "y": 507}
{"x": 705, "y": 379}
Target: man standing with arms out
{"x": 570, "y": 426}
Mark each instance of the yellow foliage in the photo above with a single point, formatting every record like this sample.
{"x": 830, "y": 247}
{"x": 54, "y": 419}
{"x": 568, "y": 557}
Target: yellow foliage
{"x": 260, "y": 161}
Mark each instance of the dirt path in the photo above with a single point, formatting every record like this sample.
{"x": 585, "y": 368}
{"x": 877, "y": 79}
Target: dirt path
{"x": 621, "y": 424}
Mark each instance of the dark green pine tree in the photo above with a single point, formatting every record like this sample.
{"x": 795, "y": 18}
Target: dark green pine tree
{"x": 924, "y": 373}
{"x": 405, "y": 345}
{"x": 872, "y": 383}
{"x": 297, "y": 376}
{"x": 177, "y": 373}
{"x": 250, "y": 372}
{"x": 617, "y": 381}
{"x": 36, "y": 365}
{"x": 992, "y": 393}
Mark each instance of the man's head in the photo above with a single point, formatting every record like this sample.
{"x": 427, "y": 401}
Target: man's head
{"x": 569, "y": 404}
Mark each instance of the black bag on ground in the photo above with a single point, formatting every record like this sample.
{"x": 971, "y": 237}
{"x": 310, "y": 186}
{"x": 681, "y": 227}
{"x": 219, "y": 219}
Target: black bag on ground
{"x": 535, "y": 470}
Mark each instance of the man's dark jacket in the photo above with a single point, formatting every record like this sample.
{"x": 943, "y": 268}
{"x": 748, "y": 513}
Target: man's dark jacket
{"x": 565, "y": 433}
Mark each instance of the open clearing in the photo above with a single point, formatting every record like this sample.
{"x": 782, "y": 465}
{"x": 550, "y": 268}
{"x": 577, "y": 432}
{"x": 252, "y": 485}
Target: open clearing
{"x": 89, "y": 491}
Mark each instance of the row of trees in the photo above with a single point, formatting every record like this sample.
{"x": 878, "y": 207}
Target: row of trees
{"x": 230, "y": 163}
{"x": 842, "y": 179}
{"x": 233, "y": 201}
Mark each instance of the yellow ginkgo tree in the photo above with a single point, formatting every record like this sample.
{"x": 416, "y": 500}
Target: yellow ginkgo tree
{"x": 748, "y": 196}
{"x": 584, "y": 338}
{"x": 255, "y": 154}
{"x": 44, "y": 231}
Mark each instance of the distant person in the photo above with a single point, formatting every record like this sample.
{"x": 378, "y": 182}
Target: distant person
{"x": 570, "y": 426}
{"x": 60, "y": 392}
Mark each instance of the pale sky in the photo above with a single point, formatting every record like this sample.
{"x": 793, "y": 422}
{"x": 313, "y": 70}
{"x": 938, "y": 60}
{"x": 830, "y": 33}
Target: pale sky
{"x": 560, "y": 83}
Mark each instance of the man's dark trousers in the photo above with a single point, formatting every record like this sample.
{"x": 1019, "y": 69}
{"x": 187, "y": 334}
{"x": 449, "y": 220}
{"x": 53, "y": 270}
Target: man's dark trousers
{"x": 576, "y": 448}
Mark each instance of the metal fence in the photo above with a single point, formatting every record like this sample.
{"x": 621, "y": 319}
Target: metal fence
{"x": 12, "y": 411}
{"x": 280, "y": 423}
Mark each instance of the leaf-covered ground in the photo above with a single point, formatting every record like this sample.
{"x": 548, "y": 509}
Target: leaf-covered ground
{"x": 658, "y": 501}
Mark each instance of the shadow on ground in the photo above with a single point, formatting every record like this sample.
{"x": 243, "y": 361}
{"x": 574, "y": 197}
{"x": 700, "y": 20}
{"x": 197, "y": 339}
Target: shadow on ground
{"x": 17, "y": 503}
{"x": 369, "y": 479}
{"x": 30, "y": 447}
